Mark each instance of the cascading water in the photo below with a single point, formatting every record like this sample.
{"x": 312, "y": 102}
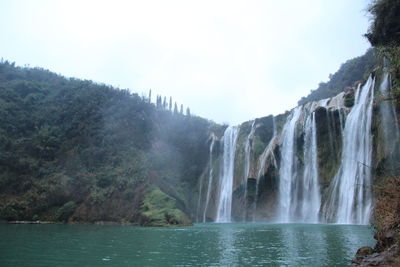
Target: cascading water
{"x": 247, "y": 151}
{"x": 226, "y": 177}
{"x": 267, "y": 155}
{"x": 389, "y": 118}
{"x": 288, "y": 168}
{"x": 199, "y": 198}
{"x": 311, "y": 198}
{"x": 247, "y": 158}
{"x": 350, "y": 197}
{"x": 293, "y": 192}
{"x": 210, "y": 177}
{"x": 299, "y": 193}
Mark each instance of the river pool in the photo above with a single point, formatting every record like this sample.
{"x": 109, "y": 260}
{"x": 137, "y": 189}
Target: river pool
{"x": 209, "y": 244}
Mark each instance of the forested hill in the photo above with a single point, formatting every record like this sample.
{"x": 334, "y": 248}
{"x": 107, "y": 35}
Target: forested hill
{"x": 80, "y": 151}
{"x": 351, "y": 71}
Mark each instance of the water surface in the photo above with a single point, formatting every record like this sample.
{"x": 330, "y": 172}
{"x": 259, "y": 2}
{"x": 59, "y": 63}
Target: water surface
{"x": 202, "y": 245}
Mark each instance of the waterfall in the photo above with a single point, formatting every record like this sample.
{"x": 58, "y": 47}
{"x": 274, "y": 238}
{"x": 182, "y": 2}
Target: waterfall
{"x": 247, "y": 159}
{"x": 294, "y": 193}
{"x": 311, "y": 198}
{"x": 210, "y": 177}
{"x": 247, "y": 151}
{"x": 288, "y": 168}
{"x": 389, "y": 118}
{"x": 350, "y": 198}
{"x": 199, "y": 198}
{"x": 267, "y": 157}
{"x": 226, "y": 176}
{"x": 268, "y": 153}
{"x": 299, "y": 193}
{"x": 342, "y": 119}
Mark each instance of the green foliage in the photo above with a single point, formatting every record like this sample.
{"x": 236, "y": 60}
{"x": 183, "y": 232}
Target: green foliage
{"x": 65, "y": 140}
{"x": 350, "y": 72}
{"x": 384, "y": 34}
{"x": 392, "y": 54}
{"x": 97, "y": 196}
{"x": 128, "y": 194}
{"x": 65, "y": 211}
{"x": 13, "y": 210}
{"x": 258, "y": 147}
{"x": 329, "y": 155}
{"x": 159, "y": 209}
{"x": 385, "y": 27}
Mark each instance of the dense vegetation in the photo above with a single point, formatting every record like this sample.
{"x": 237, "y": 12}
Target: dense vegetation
{"x": 384, "y": 35}
{"x": 385, "y": 27}
{"x": 76, "y": 150}
{"x": 349, "y": 72}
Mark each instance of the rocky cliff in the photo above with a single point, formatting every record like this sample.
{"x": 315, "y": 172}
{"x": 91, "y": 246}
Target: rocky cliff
{"x": 259, "y": 159}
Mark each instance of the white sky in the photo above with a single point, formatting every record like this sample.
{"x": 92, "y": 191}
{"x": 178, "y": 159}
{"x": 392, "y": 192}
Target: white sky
{"x": 229, "y": 61}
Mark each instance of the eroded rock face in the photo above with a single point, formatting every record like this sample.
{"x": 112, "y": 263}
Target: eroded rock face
{"x": 349, "y": 98}
{"x": 385, "y": 239}
{"x": 329, "y": 131}
{"x": 367, "y": 257}
{"x": 256, "y": 174}
{"x": 253, "y": 139}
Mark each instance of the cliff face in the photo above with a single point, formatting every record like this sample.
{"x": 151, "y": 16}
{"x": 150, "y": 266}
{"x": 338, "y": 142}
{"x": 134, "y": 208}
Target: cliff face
{"x": 386, "y": 168}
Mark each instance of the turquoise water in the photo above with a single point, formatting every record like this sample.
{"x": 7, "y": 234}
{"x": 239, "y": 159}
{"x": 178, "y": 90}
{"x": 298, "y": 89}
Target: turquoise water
{"x": 202, "y": 245}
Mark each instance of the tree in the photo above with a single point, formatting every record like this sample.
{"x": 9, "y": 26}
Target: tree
{"x": 68, "y": 142}
{"x": 384, "y": 34}
{"x": 181, "y": 111}
{"x": 170, "y": 103}
{"x": 150, "y": 96}
{"x": 188, "y": 112}
{"x": 165, "y": 103}
{"x": 176, "y": 109}
{"x": 385, "y": 26}
{"x": 351, "y": 71}
{"x": 158, "y": 101}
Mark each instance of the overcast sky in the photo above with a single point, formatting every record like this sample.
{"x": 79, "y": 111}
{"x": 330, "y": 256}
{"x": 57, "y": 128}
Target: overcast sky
{"x": 229, "y": 61}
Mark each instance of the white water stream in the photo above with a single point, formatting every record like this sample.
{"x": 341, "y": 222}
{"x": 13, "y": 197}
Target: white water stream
{"x": 224, "y": 209}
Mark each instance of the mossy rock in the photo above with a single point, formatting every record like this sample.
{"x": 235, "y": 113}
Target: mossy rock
{"x": 265, "y": 129}
{"x": 330, "y": 144}
{"x": 159, "y": 209}
{"x": 64, "y": 212}
{"x": 349, "y": 99}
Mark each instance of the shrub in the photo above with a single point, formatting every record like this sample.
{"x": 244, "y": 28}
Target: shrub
{"x": 65, "y": 211}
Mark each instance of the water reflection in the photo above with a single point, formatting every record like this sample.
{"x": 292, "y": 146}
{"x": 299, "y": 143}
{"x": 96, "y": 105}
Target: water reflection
{"x": 202, "y": 245}
{"x": 227, "y": 237}
{"x": 302, "y": 243}
{"x": 289, "y": 244}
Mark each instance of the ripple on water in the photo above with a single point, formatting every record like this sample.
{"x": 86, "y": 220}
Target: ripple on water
{"x": 204, "y": 245}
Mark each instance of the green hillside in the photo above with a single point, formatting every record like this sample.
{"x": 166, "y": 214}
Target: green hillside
{"x": 76, "y": 150}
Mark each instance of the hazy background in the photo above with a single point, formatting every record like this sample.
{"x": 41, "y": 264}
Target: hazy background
{"x": 227, "y": 60}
